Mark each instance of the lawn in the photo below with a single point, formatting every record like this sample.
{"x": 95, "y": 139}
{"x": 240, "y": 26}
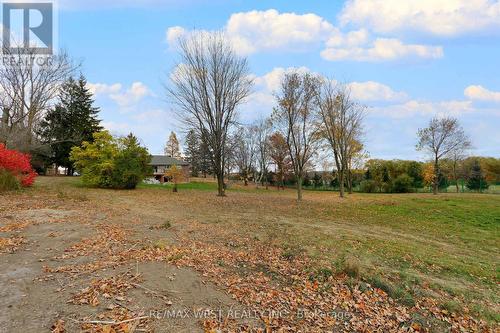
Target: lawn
{"x": 405, "y": 242}
{"x": 426, "y": 252}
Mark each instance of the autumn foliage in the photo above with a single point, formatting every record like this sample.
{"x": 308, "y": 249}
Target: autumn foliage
{"x": 18, "y": 165}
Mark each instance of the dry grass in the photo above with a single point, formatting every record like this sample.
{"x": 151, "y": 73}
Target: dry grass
{"x": 413, "y": 245}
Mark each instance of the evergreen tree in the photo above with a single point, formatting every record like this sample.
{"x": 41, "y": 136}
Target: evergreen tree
{"x": 205, "y": 158}
{"x": 317, "y": 181}
{"x": 476, "y": 180}
{"x": 72, "y": 121}
{"x": 193, "y": 147}
{"x": 306, "y": 181}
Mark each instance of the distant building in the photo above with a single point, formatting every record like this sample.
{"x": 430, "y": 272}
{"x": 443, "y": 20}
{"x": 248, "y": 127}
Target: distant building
{"x": 160, "y": 164}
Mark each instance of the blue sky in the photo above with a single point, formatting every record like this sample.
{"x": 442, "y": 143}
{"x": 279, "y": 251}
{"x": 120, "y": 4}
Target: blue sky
{"x": 406, "y": 60}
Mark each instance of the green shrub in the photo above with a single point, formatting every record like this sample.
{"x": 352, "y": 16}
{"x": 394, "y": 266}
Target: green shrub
{"x": 8, "y": 182}
{"x": 403, "y": 184}
{"x": 388, "y": 186}
{"x": 368, "y": 186}
{"x": 109, "y": 162}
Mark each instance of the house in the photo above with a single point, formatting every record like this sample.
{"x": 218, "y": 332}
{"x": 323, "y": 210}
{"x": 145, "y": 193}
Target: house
{"x": 160, "y": 163}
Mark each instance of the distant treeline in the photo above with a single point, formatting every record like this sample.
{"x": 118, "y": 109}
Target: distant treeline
{"x": 402, "y": 176}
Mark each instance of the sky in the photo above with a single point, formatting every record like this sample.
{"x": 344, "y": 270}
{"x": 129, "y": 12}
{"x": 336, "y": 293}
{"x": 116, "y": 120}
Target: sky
{"x": 406, "y": 60}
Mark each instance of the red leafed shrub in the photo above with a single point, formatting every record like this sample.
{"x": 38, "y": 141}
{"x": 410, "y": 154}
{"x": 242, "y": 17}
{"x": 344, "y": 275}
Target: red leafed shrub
{"x": 18, "y": 164}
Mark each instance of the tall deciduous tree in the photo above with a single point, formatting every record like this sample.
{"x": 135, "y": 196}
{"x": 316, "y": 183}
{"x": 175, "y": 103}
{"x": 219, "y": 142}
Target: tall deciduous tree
{"x": 208, "y": 85}
{"x": 245, "y": 151}
{"x": 278, "y": 151}
{"x": 73, "y": 120}
{"x": 295, "y": 119}
{"x": 172, "y": 146}
{"x": 341, "y": 121}
{"x": 443, "y": 137}
{"x": 263, "y": 130}
{"x": 27, "y": 90}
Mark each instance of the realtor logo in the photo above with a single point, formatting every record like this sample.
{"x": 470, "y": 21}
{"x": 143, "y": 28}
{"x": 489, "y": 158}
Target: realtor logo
{"x": 28, "y": 27}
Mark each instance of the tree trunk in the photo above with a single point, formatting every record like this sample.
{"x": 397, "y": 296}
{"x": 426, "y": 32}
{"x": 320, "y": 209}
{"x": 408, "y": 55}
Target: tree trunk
{"x": 436, "y": 177}
{"x": 4, "y": 124}
{"x": 299, "y": 188}
{"x": 220, "y": 185}
{"x": 349, "y": 181}
{"x": 341, "y": 183}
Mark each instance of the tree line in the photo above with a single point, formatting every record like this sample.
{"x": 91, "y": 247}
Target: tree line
{"x": 311, "y": 111}
{"x": 313, "y": 115}
{"x": 48, "y": 112}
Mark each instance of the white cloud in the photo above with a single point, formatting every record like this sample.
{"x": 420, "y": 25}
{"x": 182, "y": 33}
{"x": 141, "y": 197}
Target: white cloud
{"x": 271, "y": 80}
{"x": 262, "y": 100}
{"x": 103, "y": 88}
{"x": 174, "y": 33}
{"x": 414, "y": 107}
{"x": 116, "y": 127}
{"x": 382, "y": 49}
{"x": 132, "y": 95}
{"x": 270, "y": 30}
{"x": 375, "y": 91}
{"x": 124, "y": 98}
{"x": 480, "y": 93}
{"x": 147, "y": 116}
{"x": 263, "y": 31}
{"x": 352, "y": 38}
{"x": 439, "y": 17}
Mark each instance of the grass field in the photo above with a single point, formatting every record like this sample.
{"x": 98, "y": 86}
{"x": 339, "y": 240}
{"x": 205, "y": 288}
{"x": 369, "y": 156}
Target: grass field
{"x": 409, "y": 244}
{"x": 413, "y": 246}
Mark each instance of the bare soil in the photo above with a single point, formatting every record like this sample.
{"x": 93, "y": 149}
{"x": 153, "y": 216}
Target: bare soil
{"x": 34, "y": 294}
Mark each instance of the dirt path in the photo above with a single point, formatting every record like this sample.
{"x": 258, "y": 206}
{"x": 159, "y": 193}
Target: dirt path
{"x": 66, "y": 266}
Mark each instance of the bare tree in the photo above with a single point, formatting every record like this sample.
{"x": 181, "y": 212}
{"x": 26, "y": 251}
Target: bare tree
{"x": 245, "y": 151}
{"x": 279, "y": 154}
{"x": 295, "y": 119}
{"x": 208, "y": 85}
{"x": 263, "y": 129}
{"x": 456, "y": 158}
{"x": 341, "y": 122}
{"x": 29, "y": 84}
{"x": 443, "y": 137}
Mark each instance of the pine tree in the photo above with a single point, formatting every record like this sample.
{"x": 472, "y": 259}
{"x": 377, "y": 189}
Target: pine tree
{"x": 476, "y": 180}
{"x": 72, "y": 121}
{"x": 193, "y": 152}
{"x": 205, "y": 158}
{"x": 172, "y": 146}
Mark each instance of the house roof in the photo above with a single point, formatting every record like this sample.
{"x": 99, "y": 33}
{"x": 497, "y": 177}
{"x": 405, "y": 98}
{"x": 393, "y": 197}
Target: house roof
{"x": 166, "y": 160}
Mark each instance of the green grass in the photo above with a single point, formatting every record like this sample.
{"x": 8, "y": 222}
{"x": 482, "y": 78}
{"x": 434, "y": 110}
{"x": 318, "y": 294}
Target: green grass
{"x": 447, "y": 242}
{"x": 410, "y": 245}
{"x": 186, "y": 186}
